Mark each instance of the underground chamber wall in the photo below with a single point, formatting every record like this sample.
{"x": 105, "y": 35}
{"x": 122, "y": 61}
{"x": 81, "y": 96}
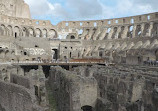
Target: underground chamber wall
{"x": 86, "y": 108}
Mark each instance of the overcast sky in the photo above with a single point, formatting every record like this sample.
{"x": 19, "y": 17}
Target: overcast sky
{"x": 65, "y": 10}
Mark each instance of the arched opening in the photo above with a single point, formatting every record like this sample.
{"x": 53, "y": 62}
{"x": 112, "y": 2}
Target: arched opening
{"x": 16, "y": 32}
{"x": 55, "y": 54}
{"x": 138, "y": 30}
{"x": 52, "y": 34}
{"x": 120, "y": 34}
{"x": 15, "y": 35}
{"x": 130, "y": 31}
{"x": 3, "y": 30}
{"x": 24, "y": 32}
{"x": 101, "y": 54}
{"x": 36, "y": 91}
{"x": 9, "y": 30}
{"x": 72, "y": 37}
{"x": 70, "y": 55}
{"x": 38, "y": 32}
{"x": 25, "y": 53}
{"x": 155, "y": 30}
{"x": 86, "y": 108}
{"x": 31, "y": 32}
{"x": 156, "y": 54}
{"x": 44, "y": 33}
{"x": 146, "y": 30}
{"x": 114, "y": 33}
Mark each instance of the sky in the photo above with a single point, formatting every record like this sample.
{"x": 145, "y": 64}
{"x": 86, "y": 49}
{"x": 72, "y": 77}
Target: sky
{"x": 77, "y": 10}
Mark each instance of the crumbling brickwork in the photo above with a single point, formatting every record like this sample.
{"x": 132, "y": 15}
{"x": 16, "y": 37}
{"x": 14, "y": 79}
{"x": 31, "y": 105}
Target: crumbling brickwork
{"x": 117, "y": 88}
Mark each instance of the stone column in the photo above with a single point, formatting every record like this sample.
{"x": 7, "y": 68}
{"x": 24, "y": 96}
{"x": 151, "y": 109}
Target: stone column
{"x": 103, "y": 34}
{"x": 134, "y": 31}
{"x": 118, "y": 32}
{"x": 96, "y": 34}
{"x": 142, "y": 29}
{"x": 125, "y": 31}
{"x": 111, "y": 33}
{"x": 151, "y": 28}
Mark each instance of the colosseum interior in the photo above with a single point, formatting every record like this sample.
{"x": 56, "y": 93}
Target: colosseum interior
{"x": 97, "y": 65}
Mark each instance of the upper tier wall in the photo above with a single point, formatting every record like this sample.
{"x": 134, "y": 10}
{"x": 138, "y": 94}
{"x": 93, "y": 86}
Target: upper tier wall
{"x": 25, "y": 21}
{"x": 109, "y": 22}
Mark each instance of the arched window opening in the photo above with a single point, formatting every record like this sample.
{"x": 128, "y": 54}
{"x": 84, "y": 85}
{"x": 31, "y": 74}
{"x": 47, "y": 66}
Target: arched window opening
{"x": 55, "y": 54}
{"x": 80, "y": 31}
{"x": 72, "y": 37}
{"x": 15, "y": 35}
{"x": 109, "y": 29}
{"x": 132, "y": 20}
{"x": 70, "y": 55}
{"x": 25, "y": 53}
{"x": 37, "y": 46}
{"x": 86, "y": 108}
{"x": 101, "y": 54}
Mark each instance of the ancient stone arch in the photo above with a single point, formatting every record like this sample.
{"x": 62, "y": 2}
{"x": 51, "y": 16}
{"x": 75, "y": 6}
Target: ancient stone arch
{"x": 38, "y": 32}
{"x": 17, "y": 31}
{"x": 52, "y": 34}
{"x": 138, "y": 30}
{"x": 146, "y": 29}
{"x": 114, "y": 32}
{"x": 3, "y": 29}
{"x": 44, "y": 33}
{"x": 24, "y": 32}
{"x": 130, "y": 31}
{"x": 9, "y": 30}
{"x": 155, "y": 29}
{"x": 121, "y": 32}
{"x": 31, "y": 32}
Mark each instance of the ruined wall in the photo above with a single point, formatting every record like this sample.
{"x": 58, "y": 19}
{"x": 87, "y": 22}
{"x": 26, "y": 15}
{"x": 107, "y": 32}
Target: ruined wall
{"x": 111, "y": 39}
{"x": 22, "y": 81}
{"x": 125, "y": 88}
{"x": 16, "y": 98}
{"x": 15, "y": 8}
{"x": 71, "y": 91}
{"x": 117, "y": 88}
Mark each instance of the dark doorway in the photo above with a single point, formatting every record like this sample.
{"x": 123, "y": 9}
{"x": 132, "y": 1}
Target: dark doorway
{"x": 36, "y": 90}
{"x": 139, "y": 60}
{"x": 101, "y": 54}
{"x": 15, "y": 35}
{"x": 70, "y": 55}
{"x": 86, "y": 108}
{"x": 72, "y": 37}
{"x": 55, "y": 54}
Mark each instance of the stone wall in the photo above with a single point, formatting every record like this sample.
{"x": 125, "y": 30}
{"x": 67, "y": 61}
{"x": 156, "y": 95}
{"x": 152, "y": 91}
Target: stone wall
{"x": 117, "y": 88}
{"x": 126, "y": 89}
{"x": 21, "y": 80}
{"x": 72, "y": 91}
{"x": 16, "y": 98}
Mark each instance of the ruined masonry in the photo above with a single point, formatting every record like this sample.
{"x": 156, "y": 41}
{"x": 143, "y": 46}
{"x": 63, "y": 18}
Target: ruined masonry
{"x": 97, "y": 65}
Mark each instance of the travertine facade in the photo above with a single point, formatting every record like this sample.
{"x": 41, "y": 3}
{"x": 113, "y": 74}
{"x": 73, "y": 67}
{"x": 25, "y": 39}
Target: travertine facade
{"x": 118, "y": 40}
{"x": 130, "y": 41}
